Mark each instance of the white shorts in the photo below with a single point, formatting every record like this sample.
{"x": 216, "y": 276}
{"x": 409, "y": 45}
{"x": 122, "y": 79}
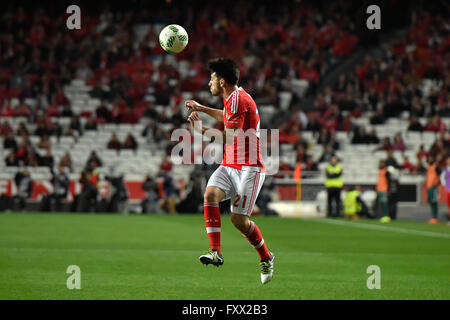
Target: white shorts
{"x": 241, "y": 186}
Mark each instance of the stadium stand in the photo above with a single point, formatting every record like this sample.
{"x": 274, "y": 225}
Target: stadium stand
{"x": 64, "y": 95}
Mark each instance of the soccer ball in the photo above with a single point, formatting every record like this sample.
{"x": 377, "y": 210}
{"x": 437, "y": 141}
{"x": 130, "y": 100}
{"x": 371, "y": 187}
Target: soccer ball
{"x": 173, "y": 38}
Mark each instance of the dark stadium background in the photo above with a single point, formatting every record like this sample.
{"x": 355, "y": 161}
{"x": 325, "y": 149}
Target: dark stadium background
{"x": 318, "y": 75}
{"x": 282, "y": 54}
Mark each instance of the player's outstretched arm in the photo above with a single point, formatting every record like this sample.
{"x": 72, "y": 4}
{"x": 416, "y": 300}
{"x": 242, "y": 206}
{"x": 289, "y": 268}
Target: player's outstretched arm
{"x": 195, "y": 106}
{"x": 228, "y": 136}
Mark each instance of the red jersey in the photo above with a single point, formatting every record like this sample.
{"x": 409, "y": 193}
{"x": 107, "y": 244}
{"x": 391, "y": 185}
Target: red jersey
{"x": 240, "y": 112}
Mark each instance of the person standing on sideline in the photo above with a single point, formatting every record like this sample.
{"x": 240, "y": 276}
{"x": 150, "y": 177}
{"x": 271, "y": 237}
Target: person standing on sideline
{"x": 24, "y": 185}
{"x": 334, "y": 183}
{"x": 445, "y": 181}
{"x": 432, "y": 185}
{"x": 382, "y": 191}
{"x": 394, "y": 184}
{"x": 60, "y": 182}
{"x": 352, "y": 204}
{"x": 150, "y": 202}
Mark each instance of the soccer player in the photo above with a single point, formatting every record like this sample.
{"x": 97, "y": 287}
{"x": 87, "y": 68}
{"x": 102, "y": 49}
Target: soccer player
{"x": 445, "y": 181}
{"x": 432, "y": 184}
{"x": 240, "y": 175}
{"x": 382, "y": 190}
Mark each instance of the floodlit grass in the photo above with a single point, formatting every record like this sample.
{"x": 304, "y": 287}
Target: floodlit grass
{"x": 156, "y": 257}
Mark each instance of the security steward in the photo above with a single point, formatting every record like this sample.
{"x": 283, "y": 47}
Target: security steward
{"x": 334, "y": 183}
{"x": 352, "y": 204}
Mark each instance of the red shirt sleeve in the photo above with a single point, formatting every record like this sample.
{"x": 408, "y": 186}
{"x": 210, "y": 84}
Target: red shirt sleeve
{"x": 235, "y": 113}
{"x": 235, "y": 120}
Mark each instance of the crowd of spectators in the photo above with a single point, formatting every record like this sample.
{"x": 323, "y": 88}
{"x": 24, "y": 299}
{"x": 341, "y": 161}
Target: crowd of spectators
{"x": 273, "y": 45}
{"x": 129, "y": 143}
{"x": 387, "y": 86}
{"x": 39, "y": 58}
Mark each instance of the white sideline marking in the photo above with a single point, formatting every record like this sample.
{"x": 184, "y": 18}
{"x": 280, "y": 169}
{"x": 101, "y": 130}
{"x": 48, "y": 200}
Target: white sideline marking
{"x": 384, "y": 228}
{"x": 152, "y": 251}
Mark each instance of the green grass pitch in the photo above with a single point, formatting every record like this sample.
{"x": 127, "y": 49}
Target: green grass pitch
{"x": 156, "y": 257}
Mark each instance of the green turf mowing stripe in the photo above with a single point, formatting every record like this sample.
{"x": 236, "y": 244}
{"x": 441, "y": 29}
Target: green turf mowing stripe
{"x": 156, "y": 257}
{"x": 384, "y": 228}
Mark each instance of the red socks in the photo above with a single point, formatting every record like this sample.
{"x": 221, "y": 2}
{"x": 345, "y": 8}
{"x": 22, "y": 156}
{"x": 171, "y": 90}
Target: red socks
{"x": 213, "y": 224}
{"x": 255, "y": 238}
{"x": 213, "y": 228}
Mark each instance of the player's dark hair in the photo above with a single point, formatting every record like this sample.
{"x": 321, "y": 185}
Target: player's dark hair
{"x": 225, "y": 68}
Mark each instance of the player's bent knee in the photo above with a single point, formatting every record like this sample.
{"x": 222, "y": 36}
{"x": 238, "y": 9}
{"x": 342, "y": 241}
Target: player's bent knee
{"x": 213, "y": 195}
{"x": 210, "y": 197}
